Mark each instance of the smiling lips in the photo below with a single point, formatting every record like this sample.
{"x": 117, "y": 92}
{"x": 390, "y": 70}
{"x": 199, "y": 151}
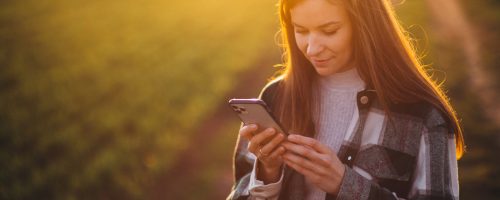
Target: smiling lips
{"x": 318, "y": 62}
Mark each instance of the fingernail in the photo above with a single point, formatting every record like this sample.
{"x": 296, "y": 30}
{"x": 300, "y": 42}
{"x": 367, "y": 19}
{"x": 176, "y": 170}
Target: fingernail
{"x": 270, "y": 130}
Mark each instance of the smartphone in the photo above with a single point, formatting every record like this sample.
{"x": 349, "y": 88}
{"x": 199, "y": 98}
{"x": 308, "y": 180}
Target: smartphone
{"x": 255, "y": 111}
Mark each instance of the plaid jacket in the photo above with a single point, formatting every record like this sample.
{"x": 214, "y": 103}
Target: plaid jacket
{"x": 411, "y": 158}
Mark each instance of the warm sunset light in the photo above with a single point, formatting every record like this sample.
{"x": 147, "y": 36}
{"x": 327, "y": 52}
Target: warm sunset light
{"x": 123, "y": 99}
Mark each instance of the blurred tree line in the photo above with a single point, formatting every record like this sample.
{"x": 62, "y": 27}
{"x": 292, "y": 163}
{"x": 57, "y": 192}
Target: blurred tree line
{"x": 446, "y": 53}
{"x": 479, "y": 169}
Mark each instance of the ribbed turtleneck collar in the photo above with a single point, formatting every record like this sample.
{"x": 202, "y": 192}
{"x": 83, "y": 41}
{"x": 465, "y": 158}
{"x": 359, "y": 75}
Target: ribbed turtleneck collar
{"x": 348, "y": 80}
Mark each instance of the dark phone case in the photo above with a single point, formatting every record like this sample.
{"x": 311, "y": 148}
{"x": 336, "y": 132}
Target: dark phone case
{"x": 255, "y": 111}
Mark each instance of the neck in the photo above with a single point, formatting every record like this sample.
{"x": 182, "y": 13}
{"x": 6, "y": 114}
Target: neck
{"x": 345, "y": 80}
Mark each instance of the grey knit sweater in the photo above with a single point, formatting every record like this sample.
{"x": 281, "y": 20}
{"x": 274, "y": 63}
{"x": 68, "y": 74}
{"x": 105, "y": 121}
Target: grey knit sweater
{"x": 337, "y": 106}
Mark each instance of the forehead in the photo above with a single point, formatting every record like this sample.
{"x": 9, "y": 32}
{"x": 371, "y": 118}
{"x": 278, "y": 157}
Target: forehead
{"x": 312, "y": 13}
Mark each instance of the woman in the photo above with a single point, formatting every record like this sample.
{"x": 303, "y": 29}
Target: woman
{"x": 369, "y": 123}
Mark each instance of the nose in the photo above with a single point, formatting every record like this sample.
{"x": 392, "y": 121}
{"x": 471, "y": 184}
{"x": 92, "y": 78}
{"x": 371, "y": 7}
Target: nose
{"x": 314, "y": 46}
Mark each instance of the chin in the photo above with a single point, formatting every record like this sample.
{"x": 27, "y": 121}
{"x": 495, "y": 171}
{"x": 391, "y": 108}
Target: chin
{"x": 329, "y": 70}
{"x": 325, "y": 71}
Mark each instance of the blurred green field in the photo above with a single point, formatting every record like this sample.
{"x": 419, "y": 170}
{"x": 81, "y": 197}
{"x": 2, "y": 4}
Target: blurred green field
{"x": 98, "y": 99}
{"x": 100, "y": 96}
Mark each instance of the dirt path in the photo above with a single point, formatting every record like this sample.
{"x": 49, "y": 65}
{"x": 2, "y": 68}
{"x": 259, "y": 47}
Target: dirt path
{"x": 452, "y": 26}
{"x": 178, "y": 182}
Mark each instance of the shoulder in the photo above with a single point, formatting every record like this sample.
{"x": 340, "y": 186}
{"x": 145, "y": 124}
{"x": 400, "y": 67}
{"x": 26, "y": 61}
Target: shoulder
{"x": 430, "y": 115}
{"x": 271, "y": 90}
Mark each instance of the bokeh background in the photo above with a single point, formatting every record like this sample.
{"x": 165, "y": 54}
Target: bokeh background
{"x": 123, "y": 99}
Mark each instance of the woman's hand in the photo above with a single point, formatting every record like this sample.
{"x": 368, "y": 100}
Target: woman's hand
{"x": 315, "y": 161}
{"x": 266, "y": 147}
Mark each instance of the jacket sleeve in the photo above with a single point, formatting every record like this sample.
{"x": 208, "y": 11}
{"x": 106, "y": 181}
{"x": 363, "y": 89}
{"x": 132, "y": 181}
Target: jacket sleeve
{"x": 243, "y": 160}
{"x": 435, "y": 175}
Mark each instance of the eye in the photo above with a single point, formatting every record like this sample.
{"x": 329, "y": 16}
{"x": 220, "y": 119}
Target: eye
{"x": 299, "y": 31}
{"x": 330, "y": 32}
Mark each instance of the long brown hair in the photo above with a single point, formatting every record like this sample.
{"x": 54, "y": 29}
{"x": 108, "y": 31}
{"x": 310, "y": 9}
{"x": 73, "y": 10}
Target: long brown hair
{"x": 384, "y": 56}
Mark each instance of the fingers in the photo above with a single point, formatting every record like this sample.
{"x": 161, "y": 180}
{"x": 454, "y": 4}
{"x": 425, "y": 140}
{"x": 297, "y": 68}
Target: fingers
{"x": 263, "y": 143}
{"x": 247, "y": 131}
{"x": 257, "y": 141}
{"x": 277, "y": 153}
{"x": 302, "y": 166}
{"x": 308, "y": 153}
{"x": 299, "y": 160}
{"x": 271, "y": 145}
{"x": 310, "y": 142}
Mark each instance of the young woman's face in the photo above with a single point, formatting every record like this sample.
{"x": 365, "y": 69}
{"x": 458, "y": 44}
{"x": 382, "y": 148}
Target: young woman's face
{"x": 323, "y": 33}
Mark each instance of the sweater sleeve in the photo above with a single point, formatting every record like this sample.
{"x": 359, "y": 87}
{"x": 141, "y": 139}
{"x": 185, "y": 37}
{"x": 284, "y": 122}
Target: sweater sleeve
{"x": 258, "y": 190}
{"x": 435, "y": 175}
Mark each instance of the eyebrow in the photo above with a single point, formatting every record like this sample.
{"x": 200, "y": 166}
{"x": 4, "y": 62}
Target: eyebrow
{"x": 320, "y": 26}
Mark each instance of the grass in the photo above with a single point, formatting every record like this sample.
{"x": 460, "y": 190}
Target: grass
{"x": 99, "y": 96}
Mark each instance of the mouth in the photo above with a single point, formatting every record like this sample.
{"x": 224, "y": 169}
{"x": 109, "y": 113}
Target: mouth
{"x": 319, "y": 61}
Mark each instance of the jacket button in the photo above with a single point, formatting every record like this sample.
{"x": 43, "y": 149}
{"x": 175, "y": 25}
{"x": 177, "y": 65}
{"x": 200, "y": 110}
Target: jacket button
{"x": 364, "y": 99}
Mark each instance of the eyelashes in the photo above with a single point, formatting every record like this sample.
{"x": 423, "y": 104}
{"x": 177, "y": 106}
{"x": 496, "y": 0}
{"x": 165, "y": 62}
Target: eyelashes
{"x": 300, "y": 31}
{"x": 328, "y": 33}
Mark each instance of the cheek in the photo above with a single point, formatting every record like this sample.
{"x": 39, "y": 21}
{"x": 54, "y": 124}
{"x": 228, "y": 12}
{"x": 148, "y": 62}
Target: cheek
{"x": 347, "y": 41}
{"x": 301, "y": 42}
{"x": 341, "y": 44}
